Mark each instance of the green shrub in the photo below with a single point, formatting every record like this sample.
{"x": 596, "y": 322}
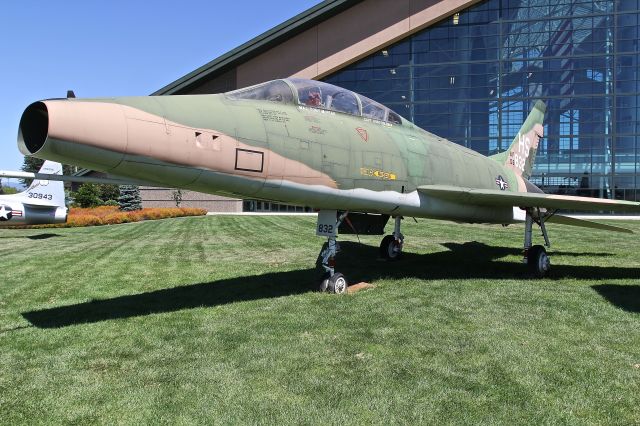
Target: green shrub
{"x": 88, "y": 195}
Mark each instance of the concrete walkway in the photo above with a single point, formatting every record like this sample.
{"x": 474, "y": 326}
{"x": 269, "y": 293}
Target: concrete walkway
{"x": 260, "y": 214}
{"x": 577, "y": 216}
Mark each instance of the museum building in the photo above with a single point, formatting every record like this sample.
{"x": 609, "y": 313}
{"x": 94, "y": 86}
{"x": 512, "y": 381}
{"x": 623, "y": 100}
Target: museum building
{"x": 468, "y": 71}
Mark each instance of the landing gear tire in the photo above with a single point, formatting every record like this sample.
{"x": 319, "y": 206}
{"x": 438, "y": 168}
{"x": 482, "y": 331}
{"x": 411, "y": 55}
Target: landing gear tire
{"x": 337, "y": 284}
{"x": 390, "y": 249}
{"x": 538, "y": 261}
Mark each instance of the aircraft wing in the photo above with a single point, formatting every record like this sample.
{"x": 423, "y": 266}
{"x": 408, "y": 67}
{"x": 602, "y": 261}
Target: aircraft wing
{"x": 497, "y": 198}
{"x": 572, "y": 221}
{"x": 65, "y": 178}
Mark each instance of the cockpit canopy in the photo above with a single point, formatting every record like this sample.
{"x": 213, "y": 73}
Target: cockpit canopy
{"x": 317, "y": 94}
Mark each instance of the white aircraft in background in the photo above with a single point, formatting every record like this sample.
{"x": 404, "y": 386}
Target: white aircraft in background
{"x": 42, "y": 203}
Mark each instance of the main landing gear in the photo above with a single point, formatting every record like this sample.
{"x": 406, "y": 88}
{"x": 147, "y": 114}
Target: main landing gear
{"x": 535, "y": 257}
{"x": 391, "y": 245}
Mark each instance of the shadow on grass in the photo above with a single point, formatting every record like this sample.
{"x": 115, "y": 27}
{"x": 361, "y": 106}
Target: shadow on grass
{"x": 43, "y": 236}
{"x": 625, "y": 297}
{"x": 358, "y": 262}
{"x": 177, "y": 298}
{"x": 15, "y": 328}
{"x": 34, "y": 237}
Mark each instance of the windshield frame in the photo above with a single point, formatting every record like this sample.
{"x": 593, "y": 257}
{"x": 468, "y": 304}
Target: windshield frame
{"x": 240, "y": 94}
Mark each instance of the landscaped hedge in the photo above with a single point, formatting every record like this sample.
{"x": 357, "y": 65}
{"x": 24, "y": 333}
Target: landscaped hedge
{"x": 111, "y": 215}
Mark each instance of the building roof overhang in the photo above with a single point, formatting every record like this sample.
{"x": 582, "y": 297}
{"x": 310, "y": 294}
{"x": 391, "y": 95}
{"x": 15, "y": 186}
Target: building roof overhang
{"x": 260, "y": 44}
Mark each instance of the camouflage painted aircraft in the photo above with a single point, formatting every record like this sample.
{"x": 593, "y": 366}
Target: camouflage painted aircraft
{"x": 42, "y": 203}
{"x": 312, "y": 144}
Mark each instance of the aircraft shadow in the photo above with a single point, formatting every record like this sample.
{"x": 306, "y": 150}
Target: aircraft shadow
{"x": 626, "y": 297}
{"x": 33, "y": 237}
{"x": 468, "y": 260}
{"x": 357, "y": 261}
{"x": 215, "y": 293}
{"x": 43, "y": 236}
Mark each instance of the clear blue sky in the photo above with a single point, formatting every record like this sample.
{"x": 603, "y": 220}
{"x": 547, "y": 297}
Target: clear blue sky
{"x": 115, "y": 48}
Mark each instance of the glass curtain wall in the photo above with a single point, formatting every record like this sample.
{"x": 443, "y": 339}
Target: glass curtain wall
{"x": 474, "y": 76}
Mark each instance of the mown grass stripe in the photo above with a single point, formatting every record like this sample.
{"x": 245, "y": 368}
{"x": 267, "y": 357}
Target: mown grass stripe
{"x": 213, "y": 320}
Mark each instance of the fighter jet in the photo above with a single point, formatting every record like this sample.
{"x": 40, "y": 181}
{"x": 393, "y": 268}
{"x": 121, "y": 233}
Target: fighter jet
{"x": 309, "y": 143}
{"x": 42, "y": 203}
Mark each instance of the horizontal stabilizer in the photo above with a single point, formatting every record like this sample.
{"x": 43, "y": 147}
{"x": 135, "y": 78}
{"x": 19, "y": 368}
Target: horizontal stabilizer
{"x": 497, "y": 198}
{"x": 572, "y": 221}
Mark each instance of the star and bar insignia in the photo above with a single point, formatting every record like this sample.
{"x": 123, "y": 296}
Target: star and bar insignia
{"x": 502, "y": 184}
{"x": 5, "y": 213}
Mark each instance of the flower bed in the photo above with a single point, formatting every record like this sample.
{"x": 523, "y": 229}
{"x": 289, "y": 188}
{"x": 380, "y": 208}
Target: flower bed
{"x": 110, "y": 215}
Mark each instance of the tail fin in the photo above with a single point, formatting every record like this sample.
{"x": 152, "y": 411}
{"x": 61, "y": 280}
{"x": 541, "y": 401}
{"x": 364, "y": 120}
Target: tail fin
{"x": 45, "y": 192}
{"x": 522, "y": 153}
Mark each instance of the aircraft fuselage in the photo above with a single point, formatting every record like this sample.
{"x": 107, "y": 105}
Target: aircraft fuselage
{"x": 296, "y": 154}
{"x": 15, "y": 213}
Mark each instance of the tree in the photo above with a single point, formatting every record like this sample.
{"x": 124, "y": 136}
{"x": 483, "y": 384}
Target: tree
{"x": 1, "y": 190}
{"x": 33, "y": 165}
{"x": 88, "y": 195}
{"x": 129, "y": 199}
{"x": 106, "y": 192}
{"x": 109, "y": 192}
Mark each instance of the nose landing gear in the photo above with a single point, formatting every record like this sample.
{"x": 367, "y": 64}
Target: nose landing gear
{"x": 332, "y": 281}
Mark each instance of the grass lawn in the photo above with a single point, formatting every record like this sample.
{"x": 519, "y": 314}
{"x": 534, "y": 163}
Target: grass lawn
{"x": 214, "y": 320}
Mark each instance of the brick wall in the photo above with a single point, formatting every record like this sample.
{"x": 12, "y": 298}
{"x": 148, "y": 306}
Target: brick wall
{"x": 161, "y": 197}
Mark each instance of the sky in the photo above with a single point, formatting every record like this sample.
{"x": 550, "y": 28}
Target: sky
{"x": 115, "y": 48}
